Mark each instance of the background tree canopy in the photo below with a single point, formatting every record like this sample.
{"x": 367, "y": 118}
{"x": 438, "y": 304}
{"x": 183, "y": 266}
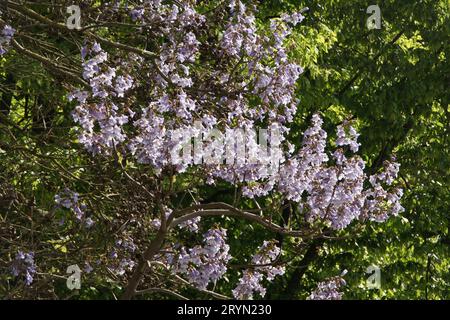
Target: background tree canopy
{"x": 391, "y": 82}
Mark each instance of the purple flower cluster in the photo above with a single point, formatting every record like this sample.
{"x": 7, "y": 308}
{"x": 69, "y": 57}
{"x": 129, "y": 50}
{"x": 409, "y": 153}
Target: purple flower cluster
{"x": 333, "y": 193}
{"x": 191, "y": 225}
{"x": 246, "y": 160}
{"x": 24, "y": 264}
{"x": 297, "y": 173}
{"x": 328, "y": 289}
{"x": 263, "y": 261}
{"x": 122, "y": 256}
{"x": 240, "y": 36}
{"x": 204, "y": 264}
{"x": 274, "y": 82}
{"x": 381, "y": 202}
{"x": 244, "y": 80}
{"x": 123, "y": 84}
{"x": 102, "y": 116}
{"x": 5, "y": 38}
{"x": 294, "y": 18}
{"x": 70, "y": 200}
{"x": 109, "y": 122}
{"x": 103, "y": 110}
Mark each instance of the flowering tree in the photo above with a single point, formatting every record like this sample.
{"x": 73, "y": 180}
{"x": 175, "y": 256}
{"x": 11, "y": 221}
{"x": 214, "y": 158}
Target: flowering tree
{"x": 144, "y": 80}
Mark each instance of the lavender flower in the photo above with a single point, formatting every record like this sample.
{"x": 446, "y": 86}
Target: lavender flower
{"x": 87, "y": 267}
{"x": 5, "y": 38}
{"x": 122, "y": 256}
{"x": 251, "y": 281}
{"x": 191, "y": 225}
{"x": 347, "y": 135}
{"x": 137, "y": 14}
{"x": 24, "y": 265}
{"x": 123, "y": 84}
{"x": 69, "y": 199}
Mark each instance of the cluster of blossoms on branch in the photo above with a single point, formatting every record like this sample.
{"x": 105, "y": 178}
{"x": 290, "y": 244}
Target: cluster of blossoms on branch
{"x": 180, "y": 93}
{"x": 334, "y": 193}
{"x": 191, "y": 225}
{"x": 328, "y": 289}
{"x": 6, "y": 35}
{"x": 240, "y": 79}
{"x": 122, "y": 256}
{"x": 24, "y": 265}
{"x": 262, "y": 266}
{"x": 332, "y": 190}
{"x": 69, "y": 199}
{"x": 203, "y": 264}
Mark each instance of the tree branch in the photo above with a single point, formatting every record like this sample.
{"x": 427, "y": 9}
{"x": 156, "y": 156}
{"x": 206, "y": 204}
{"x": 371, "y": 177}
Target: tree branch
{"x": 220, "y": 208}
